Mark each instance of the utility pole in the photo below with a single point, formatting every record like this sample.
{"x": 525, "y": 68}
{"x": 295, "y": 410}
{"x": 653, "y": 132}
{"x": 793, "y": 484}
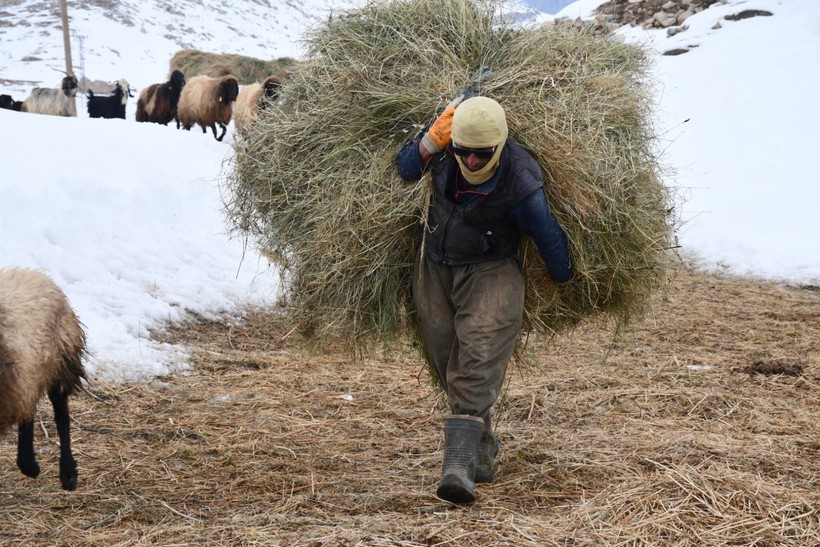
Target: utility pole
{"x": 66, "y": 38}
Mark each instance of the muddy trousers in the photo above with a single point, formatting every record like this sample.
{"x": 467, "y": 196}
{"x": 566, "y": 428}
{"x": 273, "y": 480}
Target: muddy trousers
{"x": 470, "y": 319}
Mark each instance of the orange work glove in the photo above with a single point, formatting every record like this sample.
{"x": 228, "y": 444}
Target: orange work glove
{"x": 438, "y": 136}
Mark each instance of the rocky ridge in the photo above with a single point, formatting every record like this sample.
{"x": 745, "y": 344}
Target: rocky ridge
{"x": 650, "y": 13}
{"x": 654, "y": 14}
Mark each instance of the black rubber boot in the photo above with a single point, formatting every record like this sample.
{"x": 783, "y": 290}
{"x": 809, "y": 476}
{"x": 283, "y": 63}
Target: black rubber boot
{"x": 462, "y": 434}
{"x": 487, "y": 449}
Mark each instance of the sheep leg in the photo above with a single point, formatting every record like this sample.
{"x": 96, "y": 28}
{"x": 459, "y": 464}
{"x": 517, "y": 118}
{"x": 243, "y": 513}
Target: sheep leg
{"x": 224, "y": 128}
{"x": 68, "y": 467}
{"x": 26, "y": 460}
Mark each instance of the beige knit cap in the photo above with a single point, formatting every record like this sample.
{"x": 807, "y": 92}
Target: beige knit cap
{"x": 479, "y": 122}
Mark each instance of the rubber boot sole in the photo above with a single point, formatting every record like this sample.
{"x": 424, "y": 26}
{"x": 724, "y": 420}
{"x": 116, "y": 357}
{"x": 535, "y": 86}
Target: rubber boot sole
{"x": 455, "y": 490}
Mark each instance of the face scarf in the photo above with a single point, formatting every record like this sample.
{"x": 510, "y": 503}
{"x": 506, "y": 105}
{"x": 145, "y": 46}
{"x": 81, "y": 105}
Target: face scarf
{"x": 479, "y": 122}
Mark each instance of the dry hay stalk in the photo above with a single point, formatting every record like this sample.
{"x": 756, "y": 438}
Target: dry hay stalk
{"x": 721, "y": 505}
{"x": 247, "y": 70}
{"x": 315, "y": 187}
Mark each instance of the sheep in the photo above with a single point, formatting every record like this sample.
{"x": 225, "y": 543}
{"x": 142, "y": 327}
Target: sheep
{"x": 42, "y": 346}
{"x": 54, "y": 102}
{"x": 158, "y": 102}
{"x": 10, "y": 104}
{"x": 110, "y": 106}
{"x": 254, "y": 98}
{"x": 207, "y": 101}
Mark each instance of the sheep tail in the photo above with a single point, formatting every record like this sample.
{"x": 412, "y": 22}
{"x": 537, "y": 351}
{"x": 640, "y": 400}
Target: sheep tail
{"x": 72, "y": 348}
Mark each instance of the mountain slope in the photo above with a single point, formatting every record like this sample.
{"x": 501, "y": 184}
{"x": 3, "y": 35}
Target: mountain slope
{"x": 112, "y": 40}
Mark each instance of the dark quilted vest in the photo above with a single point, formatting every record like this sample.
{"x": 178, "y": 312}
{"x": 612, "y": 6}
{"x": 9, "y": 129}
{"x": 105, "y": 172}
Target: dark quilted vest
{"x": 481, "y": 229}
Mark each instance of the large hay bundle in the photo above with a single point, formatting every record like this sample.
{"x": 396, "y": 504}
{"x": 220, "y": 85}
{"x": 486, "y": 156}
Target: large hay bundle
{"x": 247, "y": 70}
{"x": 314, "y": 185}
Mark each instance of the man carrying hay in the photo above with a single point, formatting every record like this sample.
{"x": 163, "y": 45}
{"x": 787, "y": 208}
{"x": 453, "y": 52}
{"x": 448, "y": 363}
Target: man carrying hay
{"x": 468, "y": 283}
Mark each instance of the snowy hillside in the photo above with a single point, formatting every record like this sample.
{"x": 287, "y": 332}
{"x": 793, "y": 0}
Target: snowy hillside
{"x": 136, "y": 40}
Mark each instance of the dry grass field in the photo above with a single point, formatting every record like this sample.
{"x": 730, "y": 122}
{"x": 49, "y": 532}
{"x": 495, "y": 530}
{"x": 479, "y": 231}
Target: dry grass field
{"x": 699, "y": 428}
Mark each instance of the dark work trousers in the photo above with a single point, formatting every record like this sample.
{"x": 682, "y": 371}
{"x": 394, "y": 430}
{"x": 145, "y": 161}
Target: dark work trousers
{"x": 470, "y": 319}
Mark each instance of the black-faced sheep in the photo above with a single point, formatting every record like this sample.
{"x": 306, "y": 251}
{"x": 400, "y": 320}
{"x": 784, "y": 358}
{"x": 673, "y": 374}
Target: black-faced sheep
{"x": 42, "y": 345}
{"x": 10, "y": 104}
{"x": 54, "y": 102}
{"x": 253, "y": 99}
{"x": 158, "y": 102}
{"x": 208, "y": 102}
{"x": 110, "y": 106}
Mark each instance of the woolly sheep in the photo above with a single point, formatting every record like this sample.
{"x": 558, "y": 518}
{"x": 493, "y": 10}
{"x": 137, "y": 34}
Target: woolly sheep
{"x": 54, "y": 102}
{"x": 42, "y": 345}
{"x": 158, "y": 102}
{"x": 254, "y": 98}
{"x": 208, "y": 101}
{"x": 7, "y": 102}
{"x": 110, "y": 106}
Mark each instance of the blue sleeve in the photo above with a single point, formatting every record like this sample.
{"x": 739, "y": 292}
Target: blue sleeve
{"x": 535, "y": 219}
{"x": 408, "y": 160}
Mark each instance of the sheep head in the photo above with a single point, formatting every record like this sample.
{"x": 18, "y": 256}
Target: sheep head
{"x": 126, "y": 87}
{"x": 228, "y": 89}
{"x": 271, "y": 88}
{"x": 69, "y": 85}
{"x": 177, "y": 80}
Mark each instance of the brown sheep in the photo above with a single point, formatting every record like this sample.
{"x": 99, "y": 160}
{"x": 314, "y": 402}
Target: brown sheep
{"x": 158, "y": 102}
{"x": 208, "y": 101}
{"x": 42, "y": 344}
{"x": 252, "y": 99}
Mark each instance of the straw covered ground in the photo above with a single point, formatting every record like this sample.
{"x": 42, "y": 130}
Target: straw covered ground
{"x": 314, "y": 185}
{"x": 700, "y": 428}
